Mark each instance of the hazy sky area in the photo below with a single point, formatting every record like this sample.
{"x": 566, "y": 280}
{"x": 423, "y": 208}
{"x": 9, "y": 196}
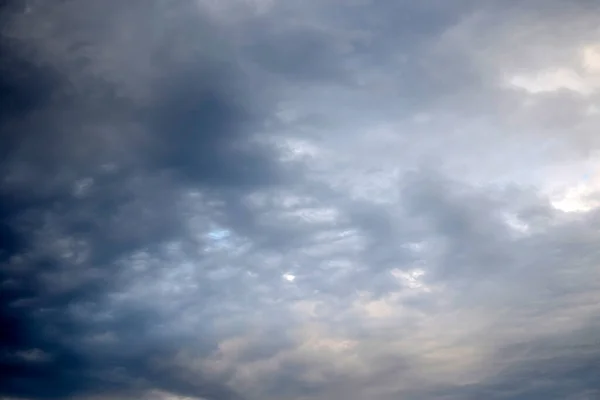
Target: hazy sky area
{"x": 300, "y": 200}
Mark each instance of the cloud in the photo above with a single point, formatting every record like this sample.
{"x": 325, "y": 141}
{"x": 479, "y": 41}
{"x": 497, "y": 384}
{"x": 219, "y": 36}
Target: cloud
{"x": 298, "y": 200}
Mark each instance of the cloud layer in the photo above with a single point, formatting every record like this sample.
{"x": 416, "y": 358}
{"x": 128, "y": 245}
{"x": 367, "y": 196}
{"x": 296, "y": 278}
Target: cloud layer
{"x": 263, "y": 199}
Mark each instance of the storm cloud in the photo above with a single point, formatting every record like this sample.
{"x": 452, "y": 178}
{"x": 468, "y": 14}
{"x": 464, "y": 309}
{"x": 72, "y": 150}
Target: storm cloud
{"x": 264, "y": 199}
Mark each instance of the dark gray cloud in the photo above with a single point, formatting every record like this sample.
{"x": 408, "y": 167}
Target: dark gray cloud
{"x": 91, "y": 174}
{"x": 261, "y": 199}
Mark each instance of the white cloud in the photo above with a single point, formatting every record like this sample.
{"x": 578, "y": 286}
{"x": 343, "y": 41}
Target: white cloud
{"x": 552, "y": 80}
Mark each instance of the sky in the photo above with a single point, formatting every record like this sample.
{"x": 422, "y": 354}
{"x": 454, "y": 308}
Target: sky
{"x": 299, "y": 200}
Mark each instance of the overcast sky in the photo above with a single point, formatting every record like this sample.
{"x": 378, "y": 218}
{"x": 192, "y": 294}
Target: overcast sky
{"x": 300, "y": 200}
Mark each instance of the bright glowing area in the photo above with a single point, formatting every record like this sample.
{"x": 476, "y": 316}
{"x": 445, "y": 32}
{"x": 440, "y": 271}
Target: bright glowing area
{"x": 289, "y": 277}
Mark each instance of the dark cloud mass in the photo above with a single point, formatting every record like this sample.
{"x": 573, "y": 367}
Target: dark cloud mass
{"x": 265, "y": 199}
